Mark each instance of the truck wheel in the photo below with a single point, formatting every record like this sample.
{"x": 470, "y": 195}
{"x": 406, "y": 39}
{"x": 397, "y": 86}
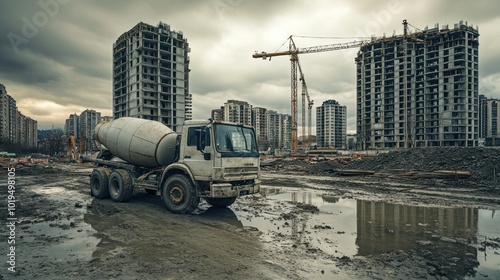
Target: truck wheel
{"x": 99, "y": 183}
{"x": 179, "y": 194}
{"x": 120, "y": 186}
{"x": 220, "y": 202}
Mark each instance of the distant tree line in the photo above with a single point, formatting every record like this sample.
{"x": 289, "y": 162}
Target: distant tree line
{"x": 50, "y": 142}
{"x": 13, "y": 147}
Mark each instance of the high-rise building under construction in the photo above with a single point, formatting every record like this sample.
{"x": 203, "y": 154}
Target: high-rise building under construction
{"x": 151, "y": 75}
{"x": 419, "y": 89}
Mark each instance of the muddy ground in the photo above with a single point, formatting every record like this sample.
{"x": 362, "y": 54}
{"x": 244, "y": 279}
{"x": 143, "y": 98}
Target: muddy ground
{"x": 301, "y": 226}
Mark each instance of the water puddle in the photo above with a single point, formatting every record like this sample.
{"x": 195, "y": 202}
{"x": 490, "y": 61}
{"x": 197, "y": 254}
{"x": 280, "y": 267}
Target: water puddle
{"x": 69, "y": 240}
{"x": 465, "y": 240}
{"x": 70, "y": 233}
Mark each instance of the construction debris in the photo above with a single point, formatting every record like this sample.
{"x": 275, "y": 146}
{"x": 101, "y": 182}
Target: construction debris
{"x": 478, "y": 166}
{"x": 439, "y": 174}
{"x": 353, "y": 172}
{"x": 271, "y": 162}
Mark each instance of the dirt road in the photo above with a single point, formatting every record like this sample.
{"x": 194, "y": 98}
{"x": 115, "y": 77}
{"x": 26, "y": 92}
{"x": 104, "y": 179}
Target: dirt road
{"x": 297, "y": 228}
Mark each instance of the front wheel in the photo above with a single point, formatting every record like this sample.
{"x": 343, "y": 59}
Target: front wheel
{"x": 179, "y": 194}
{"x": 220, "y": 202}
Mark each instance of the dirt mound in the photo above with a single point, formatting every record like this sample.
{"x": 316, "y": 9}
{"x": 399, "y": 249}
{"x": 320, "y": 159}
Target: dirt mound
{"x": 481, "y": 162}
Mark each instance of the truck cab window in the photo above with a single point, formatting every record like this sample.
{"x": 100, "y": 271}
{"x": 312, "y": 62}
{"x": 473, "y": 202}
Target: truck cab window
{"x": 193, "y": 133}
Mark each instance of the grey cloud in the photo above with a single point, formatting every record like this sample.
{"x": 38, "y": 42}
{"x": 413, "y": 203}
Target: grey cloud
{"x": 70, "y": 58}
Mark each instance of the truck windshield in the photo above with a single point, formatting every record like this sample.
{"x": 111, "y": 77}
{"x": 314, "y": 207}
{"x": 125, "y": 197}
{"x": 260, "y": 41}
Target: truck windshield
{"x": 235, "y": 141}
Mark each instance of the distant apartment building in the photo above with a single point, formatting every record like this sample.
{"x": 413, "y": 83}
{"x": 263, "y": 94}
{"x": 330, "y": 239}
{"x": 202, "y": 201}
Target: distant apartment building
{"x": 82, "y": 127}
{"x": 259, "y": 122}
{"x": 286, "y": 131}
{"x": 4, "y": 113}
{"x": 151, "y": 75}
{"x": 239, "y": 112}
{"x": 490, "y": 121}
{"x": 72, "y": 125}
{"x": 14, "y": 126}
{"x": 88, "y": 119}
{"x": 21, "y": 128}
{"x": 12, "y": 119}
{"x": 331, "y": 127}
{"x": 217, "y": 114}
{"x": 279, "y": 130}
{"x": 28, "y": 131}
{"x": 419, "y": 90}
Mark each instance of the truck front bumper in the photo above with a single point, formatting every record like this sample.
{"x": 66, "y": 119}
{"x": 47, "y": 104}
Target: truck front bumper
{"x": 224, "y": 190}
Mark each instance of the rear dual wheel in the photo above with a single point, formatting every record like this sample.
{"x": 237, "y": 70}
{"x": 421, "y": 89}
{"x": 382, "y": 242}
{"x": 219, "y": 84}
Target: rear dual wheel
{"x": 120, "y": 186}
{"x": 99, "y": 183}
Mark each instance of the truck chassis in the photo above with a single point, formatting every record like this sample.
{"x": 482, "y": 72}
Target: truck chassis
{"x": 117, "y": 180}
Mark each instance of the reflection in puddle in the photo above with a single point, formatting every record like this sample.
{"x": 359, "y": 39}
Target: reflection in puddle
{"x": 105, "y": 245}
{"x": 435, "y": 233}
{"x": 453, "y": 238}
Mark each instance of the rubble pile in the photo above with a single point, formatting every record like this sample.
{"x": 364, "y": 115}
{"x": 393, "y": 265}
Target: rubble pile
{"x": 481, "y": 162}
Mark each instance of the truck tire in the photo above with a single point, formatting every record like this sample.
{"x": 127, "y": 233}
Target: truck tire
{"x": 179, "y": 194}
{"x": 220, "y": 202}
{"x": 120, "y": 186}
{"x": 99, "y": 183}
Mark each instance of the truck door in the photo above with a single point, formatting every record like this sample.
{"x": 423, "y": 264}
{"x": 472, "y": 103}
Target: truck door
{"x": 200, "y": 163}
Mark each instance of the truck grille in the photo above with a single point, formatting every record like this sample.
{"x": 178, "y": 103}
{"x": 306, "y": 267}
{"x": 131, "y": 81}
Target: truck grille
{"x": 241, "y": 171}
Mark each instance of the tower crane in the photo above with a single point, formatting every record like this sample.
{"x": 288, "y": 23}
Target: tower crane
{"x": 294, "y": 52}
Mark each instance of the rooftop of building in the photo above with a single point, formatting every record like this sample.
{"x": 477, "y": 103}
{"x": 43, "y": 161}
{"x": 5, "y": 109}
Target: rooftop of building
{"x": 237, "y": 102}
{"x": 331, "y": 102}
{"x": 426, "y": 32}
{"x": 141, "y": 26}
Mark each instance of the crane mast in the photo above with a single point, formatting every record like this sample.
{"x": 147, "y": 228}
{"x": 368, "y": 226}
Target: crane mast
{"x": 310, "y": 103}
{"x": 294, "y": 59}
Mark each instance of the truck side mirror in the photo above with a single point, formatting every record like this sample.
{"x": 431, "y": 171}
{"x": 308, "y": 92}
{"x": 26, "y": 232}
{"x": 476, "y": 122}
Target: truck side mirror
{"x": 206, "y": 156}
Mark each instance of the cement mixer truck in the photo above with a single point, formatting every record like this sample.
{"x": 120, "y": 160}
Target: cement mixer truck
{"x": 216, "y": 161}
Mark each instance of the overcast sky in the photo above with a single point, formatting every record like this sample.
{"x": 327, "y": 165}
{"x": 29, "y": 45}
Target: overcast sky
{"x": 56, "y": 55}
